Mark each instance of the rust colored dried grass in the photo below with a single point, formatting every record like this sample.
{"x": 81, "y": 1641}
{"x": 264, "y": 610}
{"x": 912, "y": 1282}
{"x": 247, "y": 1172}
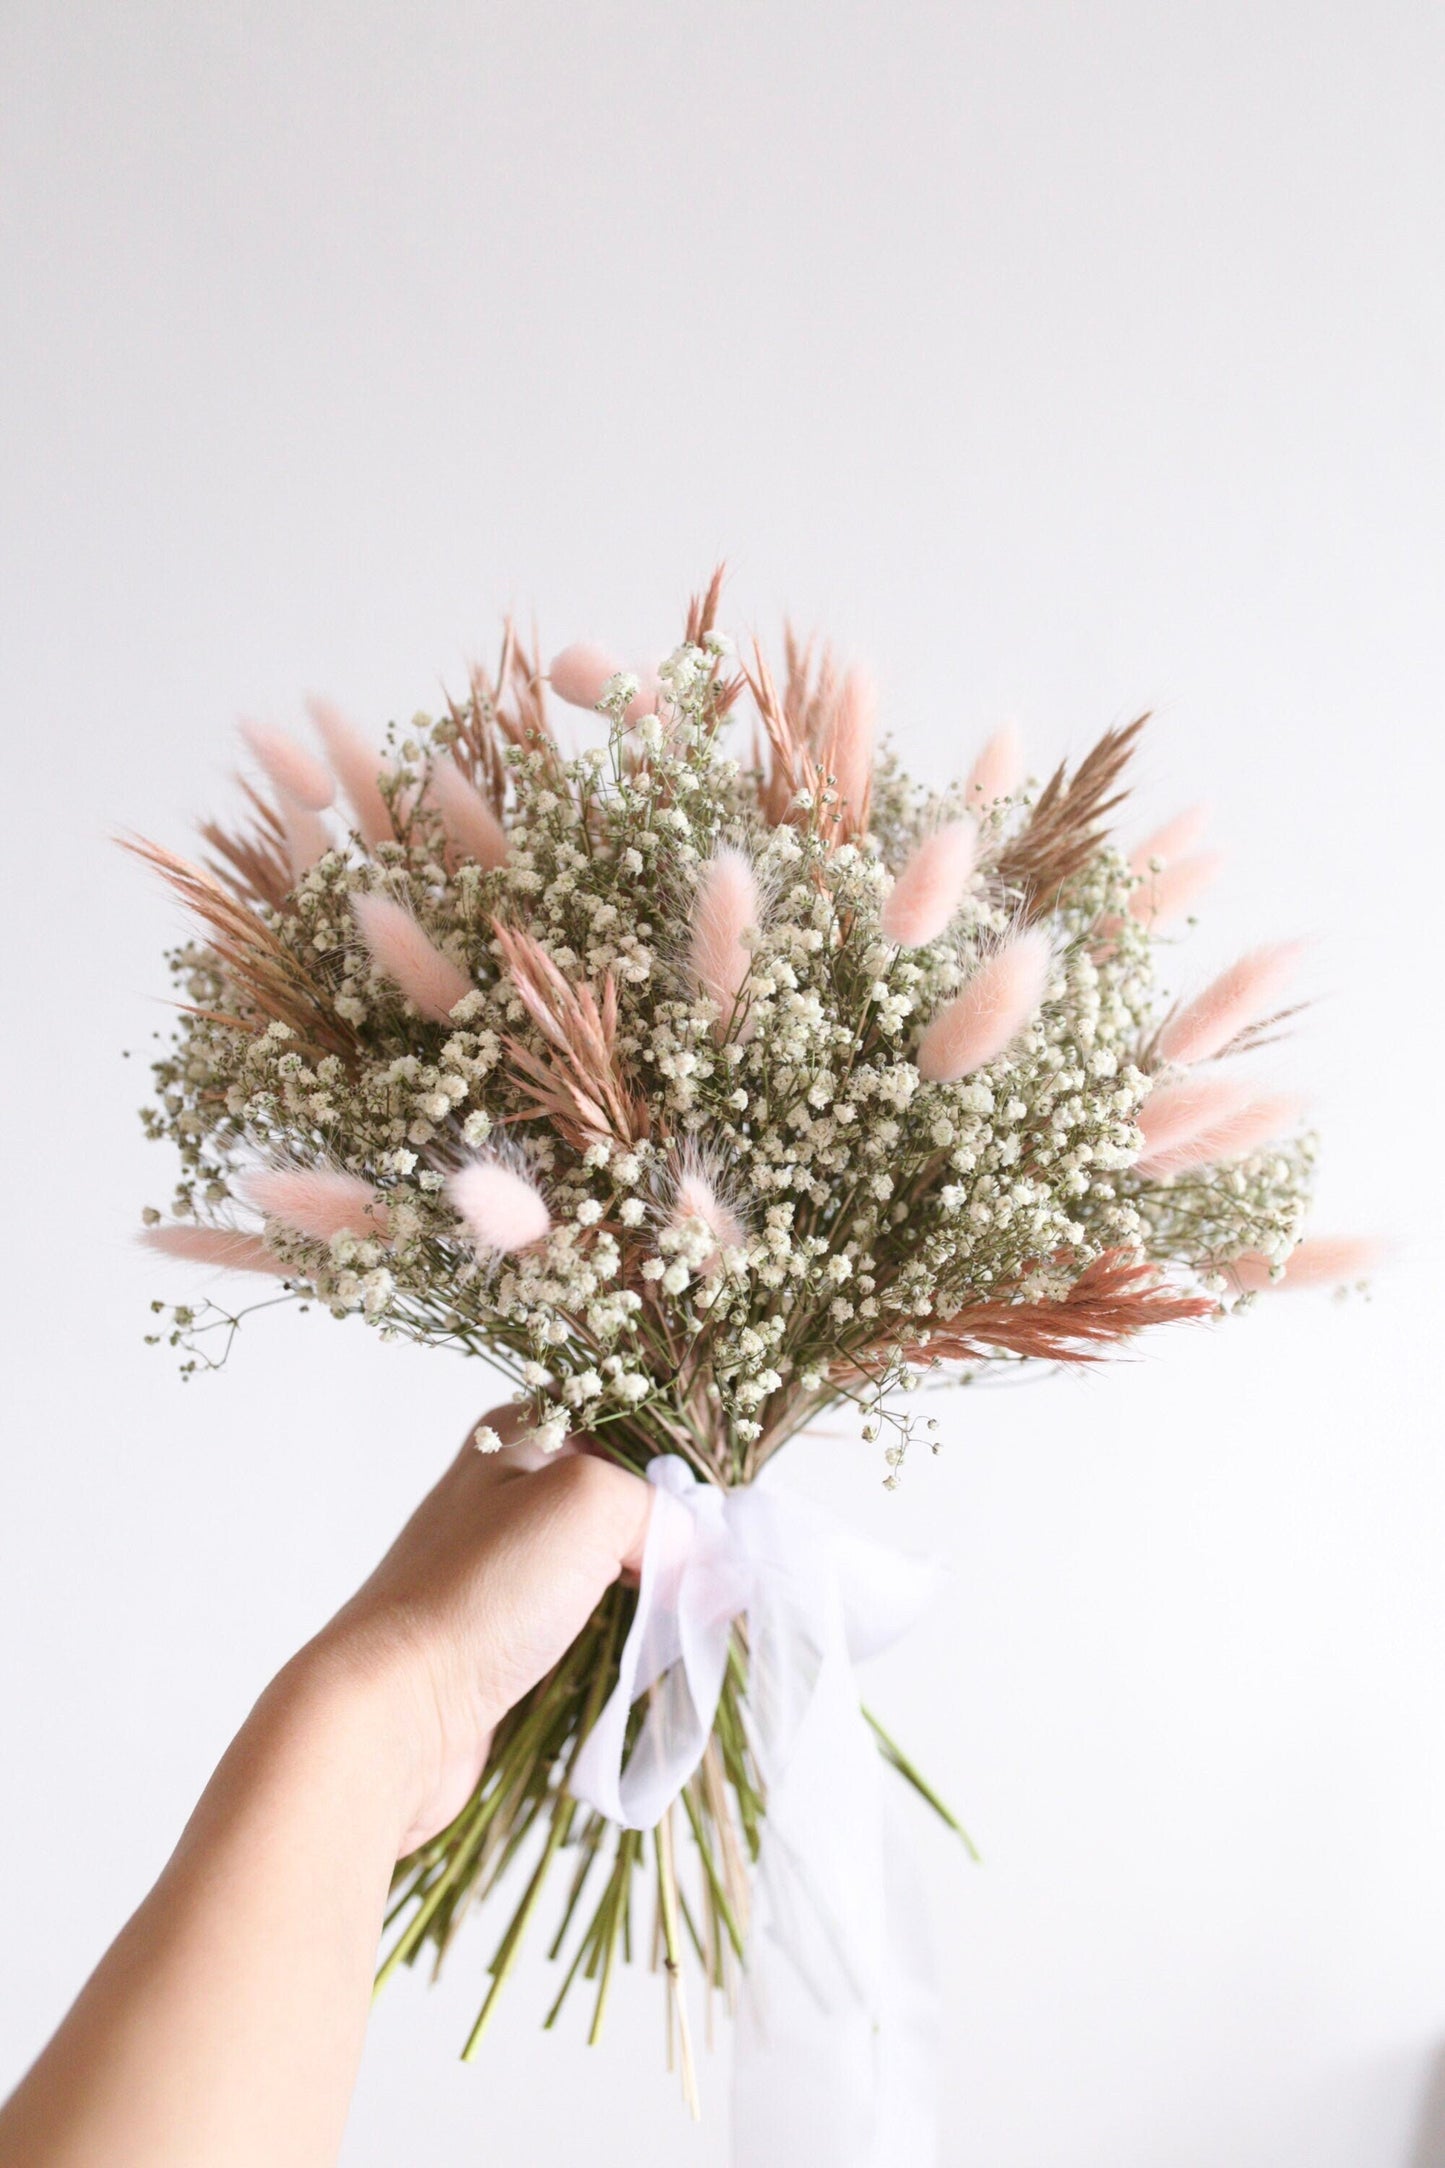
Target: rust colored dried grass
{"x": 578, "y": 1084}
{"x": 1067, "y": 822}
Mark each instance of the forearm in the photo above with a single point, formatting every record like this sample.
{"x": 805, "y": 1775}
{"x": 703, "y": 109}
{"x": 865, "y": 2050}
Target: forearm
{"x": 225, "y": 2023}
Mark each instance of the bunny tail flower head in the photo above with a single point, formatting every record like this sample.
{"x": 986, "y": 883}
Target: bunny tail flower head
{"x": 1173, "y": 1113}
{"x": 431, "y": 982}
{"x": 1322, "y": 1261}
{"x": 580, "y": 672}
{"x": 298, "y": 775}
{"x": 471, "y": 826}
{"x": 1238, "y": 998}
{"x": 995, "y": 1005}
{"x": 1248, "y": 1129}
{"x": 223, "y": 1247}
{"x": 725, "y": 910}
{"x": 930, "y": 887}
{"x": 501, "y": 1209}
{"x": 1167, "y": 895}
{"x": 1173, "y": 840}
{"x": 847, "y": 753}
{"x": 997, "y": 772}
{"x": 357, "y": 767}
{"x": 696, "y": 1200}
{"x": 318, "y": 1202}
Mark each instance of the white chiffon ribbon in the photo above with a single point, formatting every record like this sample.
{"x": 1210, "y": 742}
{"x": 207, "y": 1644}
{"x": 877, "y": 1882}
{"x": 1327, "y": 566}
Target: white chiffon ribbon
{"x": 836, "y": 2032}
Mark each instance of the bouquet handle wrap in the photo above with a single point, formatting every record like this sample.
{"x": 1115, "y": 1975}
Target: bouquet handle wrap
{"x": 836, "y": 2035}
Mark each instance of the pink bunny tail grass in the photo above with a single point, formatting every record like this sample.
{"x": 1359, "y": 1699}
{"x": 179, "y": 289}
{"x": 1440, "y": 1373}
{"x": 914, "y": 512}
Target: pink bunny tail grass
{"x": 1239, "y": 997}
{"x": 579, "y": 673}
{"x": 1324, "y": 1261}
{"x": 298, "y": 775}
{"x": 847, "y": 753}
{"x": 501, "y": 1209}
{"x": 471, "y": 825}
{"x": 307, "y": 838}
{"x": 989, "y": 1014}
{"x": 1167, "y": 895}
{"x": 998, "y": 770}
{"x": 930, "y": 887}
{"x": 644, "y": 700}
{"x": 1255, "y": 1124}
{"x": 1173, "y": 1113}
{"x": 725, "y": 908}
{"x": 1172, "y": 840}
{"x": 219, "y": 1246}
{"x": 432, "y": 983}
{"x": 696, "y": 1199}
{"x": 317, "y": 1201}
{"x": 357, "y": 766}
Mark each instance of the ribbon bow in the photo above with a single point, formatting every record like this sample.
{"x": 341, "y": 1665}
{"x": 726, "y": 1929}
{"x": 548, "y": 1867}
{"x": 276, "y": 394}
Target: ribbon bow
{"x": 835, "y": 2036}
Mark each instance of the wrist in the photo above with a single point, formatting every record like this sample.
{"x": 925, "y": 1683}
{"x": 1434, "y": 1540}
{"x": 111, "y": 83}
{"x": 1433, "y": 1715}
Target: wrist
{"x": 358, "y": 1717}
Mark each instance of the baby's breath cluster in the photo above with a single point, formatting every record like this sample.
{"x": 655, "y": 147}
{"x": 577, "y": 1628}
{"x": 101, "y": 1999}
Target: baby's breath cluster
{"x": 703, "y": 1078}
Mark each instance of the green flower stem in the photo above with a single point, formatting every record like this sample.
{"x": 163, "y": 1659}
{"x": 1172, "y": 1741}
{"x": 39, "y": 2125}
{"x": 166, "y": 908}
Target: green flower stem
{"x": 895, "y": 1754}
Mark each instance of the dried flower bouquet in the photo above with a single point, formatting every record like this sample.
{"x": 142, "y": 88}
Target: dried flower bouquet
{"x": 702, "y": 1086}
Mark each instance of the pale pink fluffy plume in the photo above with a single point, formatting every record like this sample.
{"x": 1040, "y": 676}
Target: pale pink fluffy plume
{"x": 1169, "y": 894}
{"x": 724, "y": 909}
{"x": 1239, "y": 997}
{"x": 297, "y": 774}
{"x": 403, "y": 952}
{"x": 307, "y": 837}
{"x": 998, "y": 1001}
{"x": 695, "y": 1198}
{"x": 1174, "y": 1112}
{"x": 644, "y": 700}
{"x": 220, "y": 1246}
{"x": 998, "y": 770}
{"x": 930, "y": 887}
{"x": 579, "y": 673}
{"x": 1323, "y": 1261}
{"x": 848, "y": 754}
{"x": 469, "y": 821}
{"x": 501, "y": 1208}
{"x": 317, "y": 1201}
{"x": 1257, "y": 1123}
{"x": 357, "y": 766}
{"x": 1172, "y": 840}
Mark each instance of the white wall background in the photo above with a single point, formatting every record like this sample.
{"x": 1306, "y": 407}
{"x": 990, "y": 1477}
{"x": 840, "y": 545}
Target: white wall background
{"x": 1061, "y": 360}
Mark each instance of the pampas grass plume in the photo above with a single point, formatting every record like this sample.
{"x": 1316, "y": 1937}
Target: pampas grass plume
{"x": 404, "y": 954}
{"x": 501, "y": 1208}
{"x": 930, "y": 887}
{"x": 1323, "y": 1261}
{"x": 469, "y": 821}
{"x": 724, "y": 909}
{"x": 992, "y": 1010}
{"x": 357, "y": 766}
{"x": 298, "y": 775}
{"x": 317, "y": 1201}
{"x": 1239, "y": 997}
{"x": 221, "y": 1246}
{"x": 998, "y": 770}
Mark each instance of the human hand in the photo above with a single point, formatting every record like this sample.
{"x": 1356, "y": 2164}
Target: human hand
{"x": 488, "y": 1584}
